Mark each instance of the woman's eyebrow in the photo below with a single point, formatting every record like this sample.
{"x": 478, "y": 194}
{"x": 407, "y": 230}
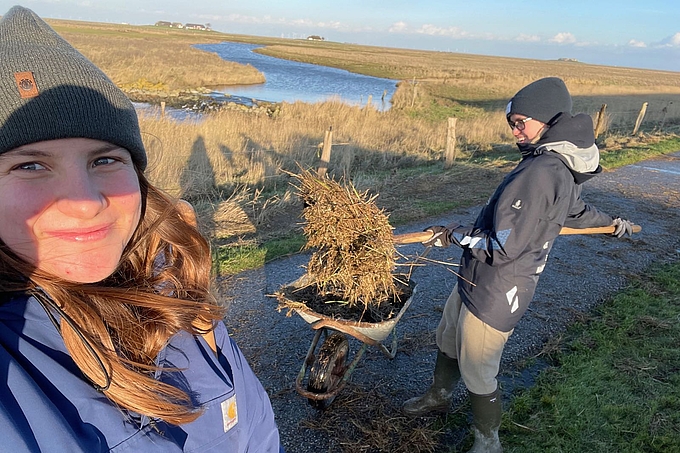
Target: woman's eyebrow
{"x": 105, "y": 148}
{"x": 25, "y": 153}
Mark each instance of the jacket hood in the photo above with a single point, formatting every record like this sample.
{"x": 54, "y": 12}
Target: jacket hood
{"x": 572, "y": 138}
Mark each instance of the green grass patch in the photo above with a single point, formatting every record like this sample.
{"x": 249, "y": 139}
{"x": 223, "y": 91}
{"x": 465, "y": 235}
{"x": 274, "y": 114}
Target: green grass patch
{"x": 441, "y": 109}
{"x": 288, "y": 245}
{"x": 230, "y": 259}
{"x": 633, "y": 154}
{"x": 436, "y": 207}
{"x": 615, "y": 385}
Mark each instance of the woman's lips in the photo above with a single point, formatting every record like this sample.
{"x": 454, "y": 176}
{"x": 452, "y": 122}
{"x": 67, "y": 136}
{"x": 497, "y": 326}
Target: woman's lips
{"x": 82, "y": 234}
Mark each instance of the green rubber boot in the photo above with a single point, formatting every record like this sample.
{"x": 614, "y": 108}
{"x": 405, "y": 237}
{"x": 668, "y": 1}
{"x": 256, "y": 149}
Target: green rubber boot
{"x": 438, "y": 396}
{"x": 486, "y": 415}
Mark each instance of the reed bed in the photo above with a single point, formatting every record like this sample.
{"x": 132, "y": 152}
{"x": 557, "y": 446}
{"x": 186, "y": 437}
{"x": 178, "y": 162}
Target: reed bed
{"x": 232, "y": 148}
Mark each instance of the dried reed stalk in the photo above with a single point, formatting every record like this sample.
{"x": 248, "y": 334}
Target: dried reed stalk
{"x": 354, "y": 254}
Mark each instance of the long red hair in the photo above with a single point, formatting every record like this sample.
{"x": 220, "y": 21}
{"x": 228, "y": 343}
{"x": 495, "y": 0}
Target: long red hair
{"x": 114, "y": 329}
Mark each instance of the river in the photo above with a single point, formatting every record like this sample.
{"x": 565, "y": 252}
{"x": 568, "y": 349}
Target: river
{"x": 290, "y": 81}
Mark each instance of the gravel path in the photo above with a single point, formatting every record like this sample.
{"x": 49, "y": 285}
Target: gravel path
{"x": 582, "y": 271}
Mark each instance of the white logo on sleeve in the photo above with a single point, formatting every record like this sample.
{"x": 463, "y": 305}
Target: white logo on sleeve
{"x": 540, "y": 268}
{"x": 517, "y": 204}
{"x": 229, "y": 413}
{"x": 513, "y": 300}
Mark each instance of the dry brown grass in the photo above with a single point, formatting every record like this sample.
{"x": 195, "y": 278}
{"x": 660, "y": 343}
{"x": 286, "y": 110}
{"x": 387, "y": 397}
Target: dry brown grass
{"x": 145, "y": 58}
{"x": 233, "y": 148}
{"x": 243, "y": 148}
{"x": 479, "y": 77}
{"x": 353, "y": 252}
{"x": 477, "y": 85}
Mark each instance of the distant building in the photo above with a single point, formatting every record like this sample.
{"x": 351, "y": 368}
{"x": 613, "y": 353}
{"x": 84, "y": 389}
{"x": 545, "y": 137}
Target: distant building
{"x": 315, "y": 38}
{"x": 195, "y": 27}
{"x": 177, "y": 25}
{"x": 162, "y": 23}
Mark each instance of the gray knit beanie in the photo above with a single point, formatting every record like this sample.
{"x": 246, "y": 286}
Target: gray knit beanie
{"x": 49, "y": 90}
{"x": 541, "y": 100}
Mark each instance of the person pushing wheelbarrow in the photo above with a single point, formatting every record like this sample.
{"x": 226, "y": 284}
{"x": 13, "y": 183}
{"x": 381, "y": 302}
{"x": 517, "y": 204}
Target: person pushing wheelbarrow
{"x": 506, "y": 250}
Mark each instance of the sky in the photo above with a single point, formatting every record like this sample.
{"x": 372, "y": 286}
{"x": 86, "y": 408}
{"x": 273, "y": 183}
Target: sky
{"x": 639, "y": 34}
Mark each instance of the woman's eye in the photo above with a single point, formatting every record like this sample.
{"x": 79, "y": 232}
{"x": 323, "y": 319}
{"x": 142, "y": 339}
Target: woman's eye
{"x": 29, "y": 166}
{"x": 104, "y": 161}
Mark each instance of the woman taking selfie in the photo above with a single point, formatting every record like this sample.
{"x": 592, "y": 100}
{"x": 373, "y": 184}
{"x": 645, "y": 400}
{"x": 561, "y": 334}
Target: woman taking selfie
{"x": 110, "y": 338}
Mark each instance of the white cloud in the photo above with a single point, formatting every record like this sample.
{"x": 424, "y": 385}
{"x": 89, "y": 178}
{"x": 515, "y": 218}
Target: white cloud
{"x": 398, "y": 27}
{"x": 672, "y": 41}
{"x": 269, "y": 20}
{"x": 585, "y": 44}
{"x": 335, "y": 25}
{"x": 563, "y": 38}
{"x": 636, "y": 43}
{"x": 528, "y": 38}
{"x": 452, "y": 32}
{"x": 431, "y": 30}
{"x": 241, "y": 19}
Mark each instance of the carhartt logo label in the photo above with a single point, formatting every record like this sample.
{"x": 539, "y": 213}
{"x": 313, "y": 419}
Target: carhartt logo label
{"x": 229, "y": 413}
{"x": 26, "y": 84}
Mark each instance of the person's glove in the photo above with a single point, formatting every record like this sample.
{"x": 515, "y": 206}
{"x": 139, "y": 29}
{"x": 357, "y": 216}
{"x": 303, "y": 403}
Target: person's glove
{"x": 622, "y": 227}
{"x": 441, "y": 236}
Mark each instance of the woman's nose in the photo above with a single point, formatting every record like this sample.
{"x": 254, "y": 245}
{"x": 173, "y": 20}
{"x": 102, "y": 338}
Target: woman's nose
{"x": 80, "y": 196}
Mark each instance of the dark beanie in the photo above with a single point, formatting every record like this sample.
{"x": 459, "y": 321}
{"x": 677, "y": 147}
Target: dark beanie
{"x": 541, "y": 100}
{"x": 49, "y": 90}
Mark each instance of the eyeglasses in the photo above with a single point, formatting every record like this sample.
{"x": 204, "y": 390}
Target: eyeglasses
{"x": 519, "y": 124}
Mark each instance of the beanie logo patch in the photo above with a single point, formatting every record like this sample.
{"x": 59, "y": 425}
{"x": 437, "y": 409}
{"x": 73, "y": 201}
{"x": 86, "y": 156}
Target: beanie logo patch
{"x": 26, "y": 84}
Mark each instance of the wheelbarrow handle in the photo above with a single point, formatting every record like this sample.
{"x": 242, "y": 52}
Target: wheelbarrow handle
{"x": 422, "y": 236}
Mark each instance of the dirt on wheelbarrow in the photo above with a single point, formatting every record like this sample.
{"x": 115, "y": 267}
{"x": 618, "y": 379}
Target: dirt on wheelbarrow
{"x": 332, "y": 305}
{"x": 582, "y": 272}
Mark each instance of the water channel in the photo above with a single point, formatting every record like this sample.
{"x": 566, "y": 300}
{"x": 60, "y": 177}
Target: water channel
{"x": 290, "y": 81}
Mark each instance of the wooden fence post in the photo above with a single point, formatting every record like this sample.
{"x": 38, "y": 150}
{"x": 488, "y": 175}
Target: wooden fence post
{"x": 326, "y": 152}
{"x": 641, "y": 115}
{"x": 369, "y": 101}
{"x": 664, "y": 111}
{"x": 600, "y": 120}
{"x": 413, "y": 98}
{"x": 162, "y": 109}
{"x": 450, "y": 155}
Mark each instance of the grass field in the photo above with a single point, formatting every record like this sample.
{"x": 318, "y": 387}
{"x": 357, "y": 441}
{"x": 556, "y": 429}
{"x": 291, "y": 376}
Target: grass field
{"x": 155, "y": 59}
{"x": 614, "y": 385}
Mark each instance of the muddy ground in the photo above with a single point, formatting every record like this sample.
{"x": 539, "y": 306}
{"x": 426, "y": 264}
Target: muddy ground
{"x": 582, "y": 272}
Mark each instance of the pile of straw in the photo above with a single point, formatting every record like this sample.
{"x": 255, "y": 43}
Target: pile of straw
{"x": 354, "y": 253}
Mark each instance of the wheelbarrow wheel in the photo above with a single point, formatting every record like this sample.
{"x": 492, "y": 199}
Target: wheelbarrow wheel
{"x": 328, "y": 369}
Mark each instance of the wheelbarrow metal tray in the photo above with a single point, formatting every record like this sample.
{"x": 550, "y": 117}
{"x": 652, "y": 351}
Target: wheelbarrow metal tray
{"x": 375, "y": 331}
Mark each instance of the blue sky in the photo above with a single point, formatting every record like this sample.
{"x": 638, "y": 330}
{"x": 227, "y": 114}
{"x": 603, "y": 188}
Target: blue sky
{"x": 640, "y": 33}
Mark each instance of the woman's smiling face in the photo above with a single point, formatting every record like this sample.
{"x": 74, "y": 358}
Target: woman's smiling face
{"x": 69, "y": 206}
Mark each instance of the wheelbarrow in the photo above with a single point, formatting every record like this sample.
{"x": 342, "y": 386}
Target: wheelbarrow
{"x": 328, "y": 370}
